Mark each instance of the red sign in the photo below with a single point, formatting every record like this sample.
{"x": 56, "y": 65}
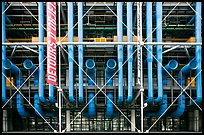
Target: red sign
{"x": 51, "y": 43}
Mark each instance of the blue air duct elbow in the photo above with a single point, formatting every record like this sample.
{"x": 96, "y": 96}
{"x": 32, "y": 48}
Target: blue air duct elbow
{"x": 71, "y": 52}
{"x": 181, "y": 106}
{"x": 20, "y": 108}
{"x": 198, "y": 52}
{"x": 159, "y": 50}
{"x": 28, "y": 64}
{"x": 80, "y": 50}
{"x": 129, "y": 50}
{"x": 109, "y": 105}
{"x": 149, "y": 47}
{"x": 110, "y": 66}
{"x": 172, "y": 65}
{"x": 120, "y": 50}
{"x": 3, "y": 26}
{"x": 91, "y": 106}
{"x": 90, "y": 64}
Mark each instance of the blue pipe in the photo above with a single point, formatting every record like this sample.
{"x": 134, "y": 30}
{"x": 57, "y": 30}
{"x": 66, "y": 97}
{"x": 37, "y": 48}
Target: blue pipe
{"x": 19, "y": 80}
{"x": 198, "y": 53}
{"x": 80, "y": 50}
{"x": 90, "y": 64}
{"x": 3, "y": 26}
{"x": 28, "y": 64}
{"x": 120, "y": 50}
{"x": 129, "y": 50}
{"x": 110, "y": 66}
{"x": 192, "y": 65}
{"x": 192, "y": 19}
{"x": 159, "y": 51}
{"x": 149, "y": 47}
{"x": 71, "y": 52}
{"x": 172, "y": 65}
{"x": 41, "y": 52}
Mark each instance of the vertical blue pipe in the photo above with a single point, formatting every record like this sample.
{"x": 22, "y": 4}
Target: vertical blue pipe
{"x": 80, "y": 50}
{"x": 120, "y": 50}
{"x": 149, "y": 47}
{"x": 4, "y": 99}
{"x": 198, "y": 53}
{"x": 71, "y": 51}
{"x": 159, "y": 50}
{"x": 41, "y": 51}
{"x": 129, "y": 50}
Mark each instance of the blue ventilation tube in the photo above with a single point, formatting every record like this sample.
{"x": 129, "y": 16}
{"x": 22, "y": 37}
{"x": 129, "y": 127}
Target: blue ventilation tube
{"x": 28, "y": 64}
{"x": 163, "y": 107}
{"x": 172, "y": 65}
{"x": 149, "y": 47}
{"x": 3, "y": 26}
{"x": 19, "y": 80}
{"x": 159, "y": 50}
{"x": 192, "y": 65}
{"x": 110, "y": 66}
{"x": 71, "y": 52}
{"x": 90, "y": 64}
{"x": 80, "y": 50}
{"x": 198, "y": 53}
{"x": 120, "y": 50}
{"x": 129, "y": 50}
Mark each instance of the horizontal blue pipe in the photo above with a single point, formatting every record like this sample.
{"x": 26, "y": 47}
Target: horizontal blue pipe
{"x": 198, "y": 52}
{"x": 71, "y": 52}
{"x": 91, "y": 106}
{"x": 39, "y": 108}
{"x": 172, "y": 65}
{"x": 90, "y": 65}
{"x": 3, "y": 26}
{"x": 28, "y": 64}
{"x": 110, "y": 66}
{"x": 109, "y": 105}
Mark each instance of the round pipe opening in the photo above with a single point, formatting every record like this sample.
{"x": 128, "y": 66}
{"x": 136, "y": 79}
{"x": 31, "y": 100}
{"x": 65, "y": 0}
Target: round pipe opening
{"x": 173, "y": 64}
{"x": 111, "y": 63}
{"x": 193, "y": 64}
{"x": 90, "y": 63}
{"x": 27, "y": 64}
{"x": 7, "y": 64}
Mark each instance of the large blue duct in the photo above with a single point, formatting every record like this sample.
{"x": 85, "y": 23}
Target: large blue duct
{"x": 71, "y": 52}
{"x": 149, "y": 47}
{"x": 90, "y": 64}
{"x": 172, "y": 65}
{"x": 192, "y": 65}
{"x": 110, "y": 66}
{"x": 4, "y": 99}
{"x": 159, "y": 50}
{"x": 28, "y": 64}
{"x": 80, "y": 50}
{"x": 129, "y": 50}
{"x": 19, "y": 80}
{"x": 198, "y": 53}
{"x": 120, "y": 50}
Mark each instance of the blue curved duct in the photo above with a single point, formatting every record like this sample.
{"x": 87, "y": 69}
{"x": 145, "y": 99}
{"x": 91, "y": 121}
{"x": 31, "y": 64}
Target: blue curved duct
{"x": 120, "y": 50}
{"x": 172, "y": 65}
{"x": 149, "y": 47}
{"x": 3, "y": 26}
{"x": 192, "y": 65}
{"x": 80, "y": 50}
{"x": 159, "y": 51}
{"x": 90, "y": 65}
{"x": 129, "y": 50}
{"x": 198, "y": 53}
{"x": 71, "y": 52}
{"x": 19, "y": 80}
{"x": 28, "y": 64}
{"x": 110, "y": 66}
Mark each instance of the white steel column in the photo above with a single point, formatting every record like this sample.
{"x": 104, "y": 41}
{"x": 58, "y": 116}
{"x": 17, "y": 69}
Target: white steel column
{"x": 68, "y": 120}
{"x": 133, "y": 120}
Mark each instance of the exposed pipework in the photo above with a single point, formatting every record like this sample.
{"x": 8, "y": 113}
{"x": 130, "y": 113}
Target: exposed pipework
{"x": 80, "y": 49}
{"x": 3, "y": 26}
{"x": 71, "y": 52}
{"x": 159, "y": 50}
{"x": 120, "y": 50}
{"x": 28, "y": 64}
{"x": 129, "y": 50}
{"x": 90, "y": 65}
{"x": 19, "y": 80}
{"x": 149, "y": 47}
{"x": 110, "y": 66}
{"x": 192, "y": 65}
{"x": 198, "y": 54}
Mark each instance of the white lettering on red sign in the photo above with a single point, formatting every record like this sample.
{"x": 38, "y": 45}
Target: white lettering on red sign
{"x": 51, "y": 43}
